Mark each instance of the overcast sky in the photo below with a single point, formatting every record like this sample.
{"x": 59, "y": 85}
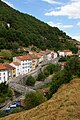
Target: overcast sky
{"x": 64, "y": 14}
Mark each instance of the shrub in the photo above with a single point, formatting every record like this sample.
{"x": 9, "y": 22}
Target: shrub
{"x": 46, "y": 73}
{"x": 30, "y": 81}
{"x": 41, "y": 76}
{"x": 33, "y": 99}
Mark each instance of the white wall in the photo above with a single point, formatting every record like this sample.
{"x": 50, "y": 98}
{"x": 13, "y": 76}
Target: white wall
{"x": 18, "y": 69}
{"x": 49, "y": 56}
{"x": 26, "y": 66}
{"x": 3, "y": 76}
{"x": 61, "y": 54}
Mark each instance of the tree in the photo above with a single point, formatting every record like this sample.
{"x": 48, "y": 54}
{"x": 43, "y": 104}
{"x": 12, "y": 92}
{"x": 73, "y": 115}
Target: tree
{"x": 6, "y": 54}
{"x": 33, "y": 99}
{"x": 46, "y": 72}
{"x": 52, "y": 68}
{"x": 30, "y": 81}
{"x": 41, "y": 76}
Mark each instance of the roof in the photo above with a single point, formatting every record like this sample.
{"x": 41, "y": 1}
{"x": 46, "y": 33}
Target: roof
{"x": 9, "y": 67}
{"x": 1, "y": 56}
{"x": 16, "y": 63}
{"x": 34, "y": 56}
{"x": 66, "y": 51}
{"x": 2, "y": 67}
{"x": 23, "y": 58}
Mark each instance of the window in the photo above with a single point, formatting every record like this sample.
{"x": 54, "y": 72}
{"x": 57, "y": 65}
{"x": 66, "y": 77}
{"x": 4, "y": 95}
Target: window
{"x": 4, "y": 78}
{"x": 4, "y": 73}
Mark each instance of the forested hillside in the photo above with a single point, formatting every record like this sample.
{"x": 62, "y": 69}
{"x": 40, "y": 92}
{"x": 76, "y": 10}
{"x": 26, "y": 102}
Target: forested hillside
{"x": 18, "y": 29}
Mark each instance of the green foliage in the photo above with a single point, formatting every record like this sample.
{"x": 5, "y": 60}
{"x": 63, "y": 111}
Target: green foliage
{"x": 30, "y": 81}
{"x": 52, "y": 68}
{"x": 41, "y": 76}
{"x": 63, "y": 59}
{"x": 26, "y": 30}
{"x": 46, "y": 73}
{"x": 6, "y": 54}
{"x": 1, "y": 61}
{"x": 71, "y": 69}
{"x": 5, "y": 92}
{"x": 33, "y": 99}
{"x": 16, "y": 110}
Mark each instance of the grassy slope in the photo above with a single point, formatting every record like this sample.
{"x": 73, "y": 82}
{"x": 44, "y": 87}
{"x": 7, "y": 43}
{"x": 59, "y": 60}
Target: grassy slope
{"x": 64, "y": 105}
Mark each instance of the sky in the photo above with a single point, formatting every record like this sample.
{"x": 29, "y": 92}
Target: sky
{"x": 64, "y": 14}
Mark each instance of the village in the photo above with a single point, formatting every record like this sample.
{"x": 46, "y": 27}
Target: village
{"x": 26, "y": 63}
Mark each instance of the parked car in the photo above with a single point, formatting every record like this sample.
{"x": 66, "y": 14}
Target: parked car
{"x": 13, "y": 106}
{"x": 7, "y": 110}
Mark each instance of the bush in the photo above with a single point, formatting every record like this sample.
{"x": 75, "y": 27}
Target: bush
{"x": 33, "y": 99}
{"x": 46, "y": 73}
{"x": 53, "y": 68}
{"x": 41, "y": 76}
{"x": 30, "y": 81}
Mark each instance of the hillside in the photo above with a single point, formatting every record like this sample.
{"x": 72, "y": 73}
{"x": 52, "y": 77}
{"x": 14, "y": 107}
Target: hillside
{"x": 64, "y": 105}
{"x": 18, "y": 29}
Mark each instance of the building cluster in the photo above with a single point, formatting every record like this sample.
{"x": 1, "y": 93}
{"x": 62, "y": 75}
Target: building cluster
{"x": 24, "y": 64}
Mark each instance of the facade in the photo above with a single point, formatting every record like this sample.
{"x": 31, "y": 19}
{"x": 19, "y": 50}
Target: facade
{"x": 11, "y": 71}
{"x": 67, "y": 52}
{"x": 53, "y": 55}
{"x": 61, "y": 54}
{"x": 64, "y": 53}
{"x": 25, "y": 63}
{"x": 3, "y": 74}
{"x": 34, "y": 60}
{"x": 17, "y": 65}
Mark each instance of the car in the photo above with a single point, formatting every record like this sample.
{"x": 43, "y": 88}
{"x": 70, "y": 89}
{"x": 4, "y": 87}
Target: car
{"x": 13, "y": 106}
{"x": 17, "y": 104}
{"x": 7, "y": 109}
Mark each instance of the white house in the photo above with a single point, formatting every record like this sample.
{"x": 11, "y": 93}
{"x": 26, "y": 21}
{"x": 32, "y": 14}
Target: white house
{"x": 25, "y": 63}
{"x": 3, "y": 74}
{"x": 48, "y": 55}
{"x": 61, "y": 53}
{"x": 64, "y": 53}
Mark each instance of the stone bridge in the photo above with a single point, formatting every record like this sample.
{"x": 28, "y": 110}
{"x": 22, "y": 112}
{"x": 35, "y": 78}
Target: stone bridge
{"x": 20, "y": 88}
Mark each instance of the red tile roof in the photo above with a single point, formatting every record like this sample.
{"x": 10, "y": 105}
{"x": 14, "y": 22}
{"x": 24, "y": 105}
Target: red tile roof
{"x": 2, "y": 67}
{"x": 66, "y": 51}
{"x": 16, "y": 63}
{"x": 23, "y": 58}
{"x": 9, "y": 67}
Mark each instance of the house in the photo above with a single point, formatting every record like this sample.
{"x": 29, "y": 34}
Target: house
{"x": 64, "y": 53}
{"x": 3, "y": 73}
{"x": 11, "y": 71}
{"x": 61, "y": 53}
{"x": 53, "y": 55}
{"x": 34, "y": 60}
{"x": 25, "y": 63}
{"x": 67, "y": 52}
{"x": 16, "y": 65}
{"x": 41, "y": 58}
{"x": 48, "y": 54}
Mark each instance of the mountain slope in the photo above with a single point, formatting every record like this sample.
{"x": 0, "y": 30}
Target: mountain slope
{"x": 64, "y": 105}
{"x": 18, "y": 29}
